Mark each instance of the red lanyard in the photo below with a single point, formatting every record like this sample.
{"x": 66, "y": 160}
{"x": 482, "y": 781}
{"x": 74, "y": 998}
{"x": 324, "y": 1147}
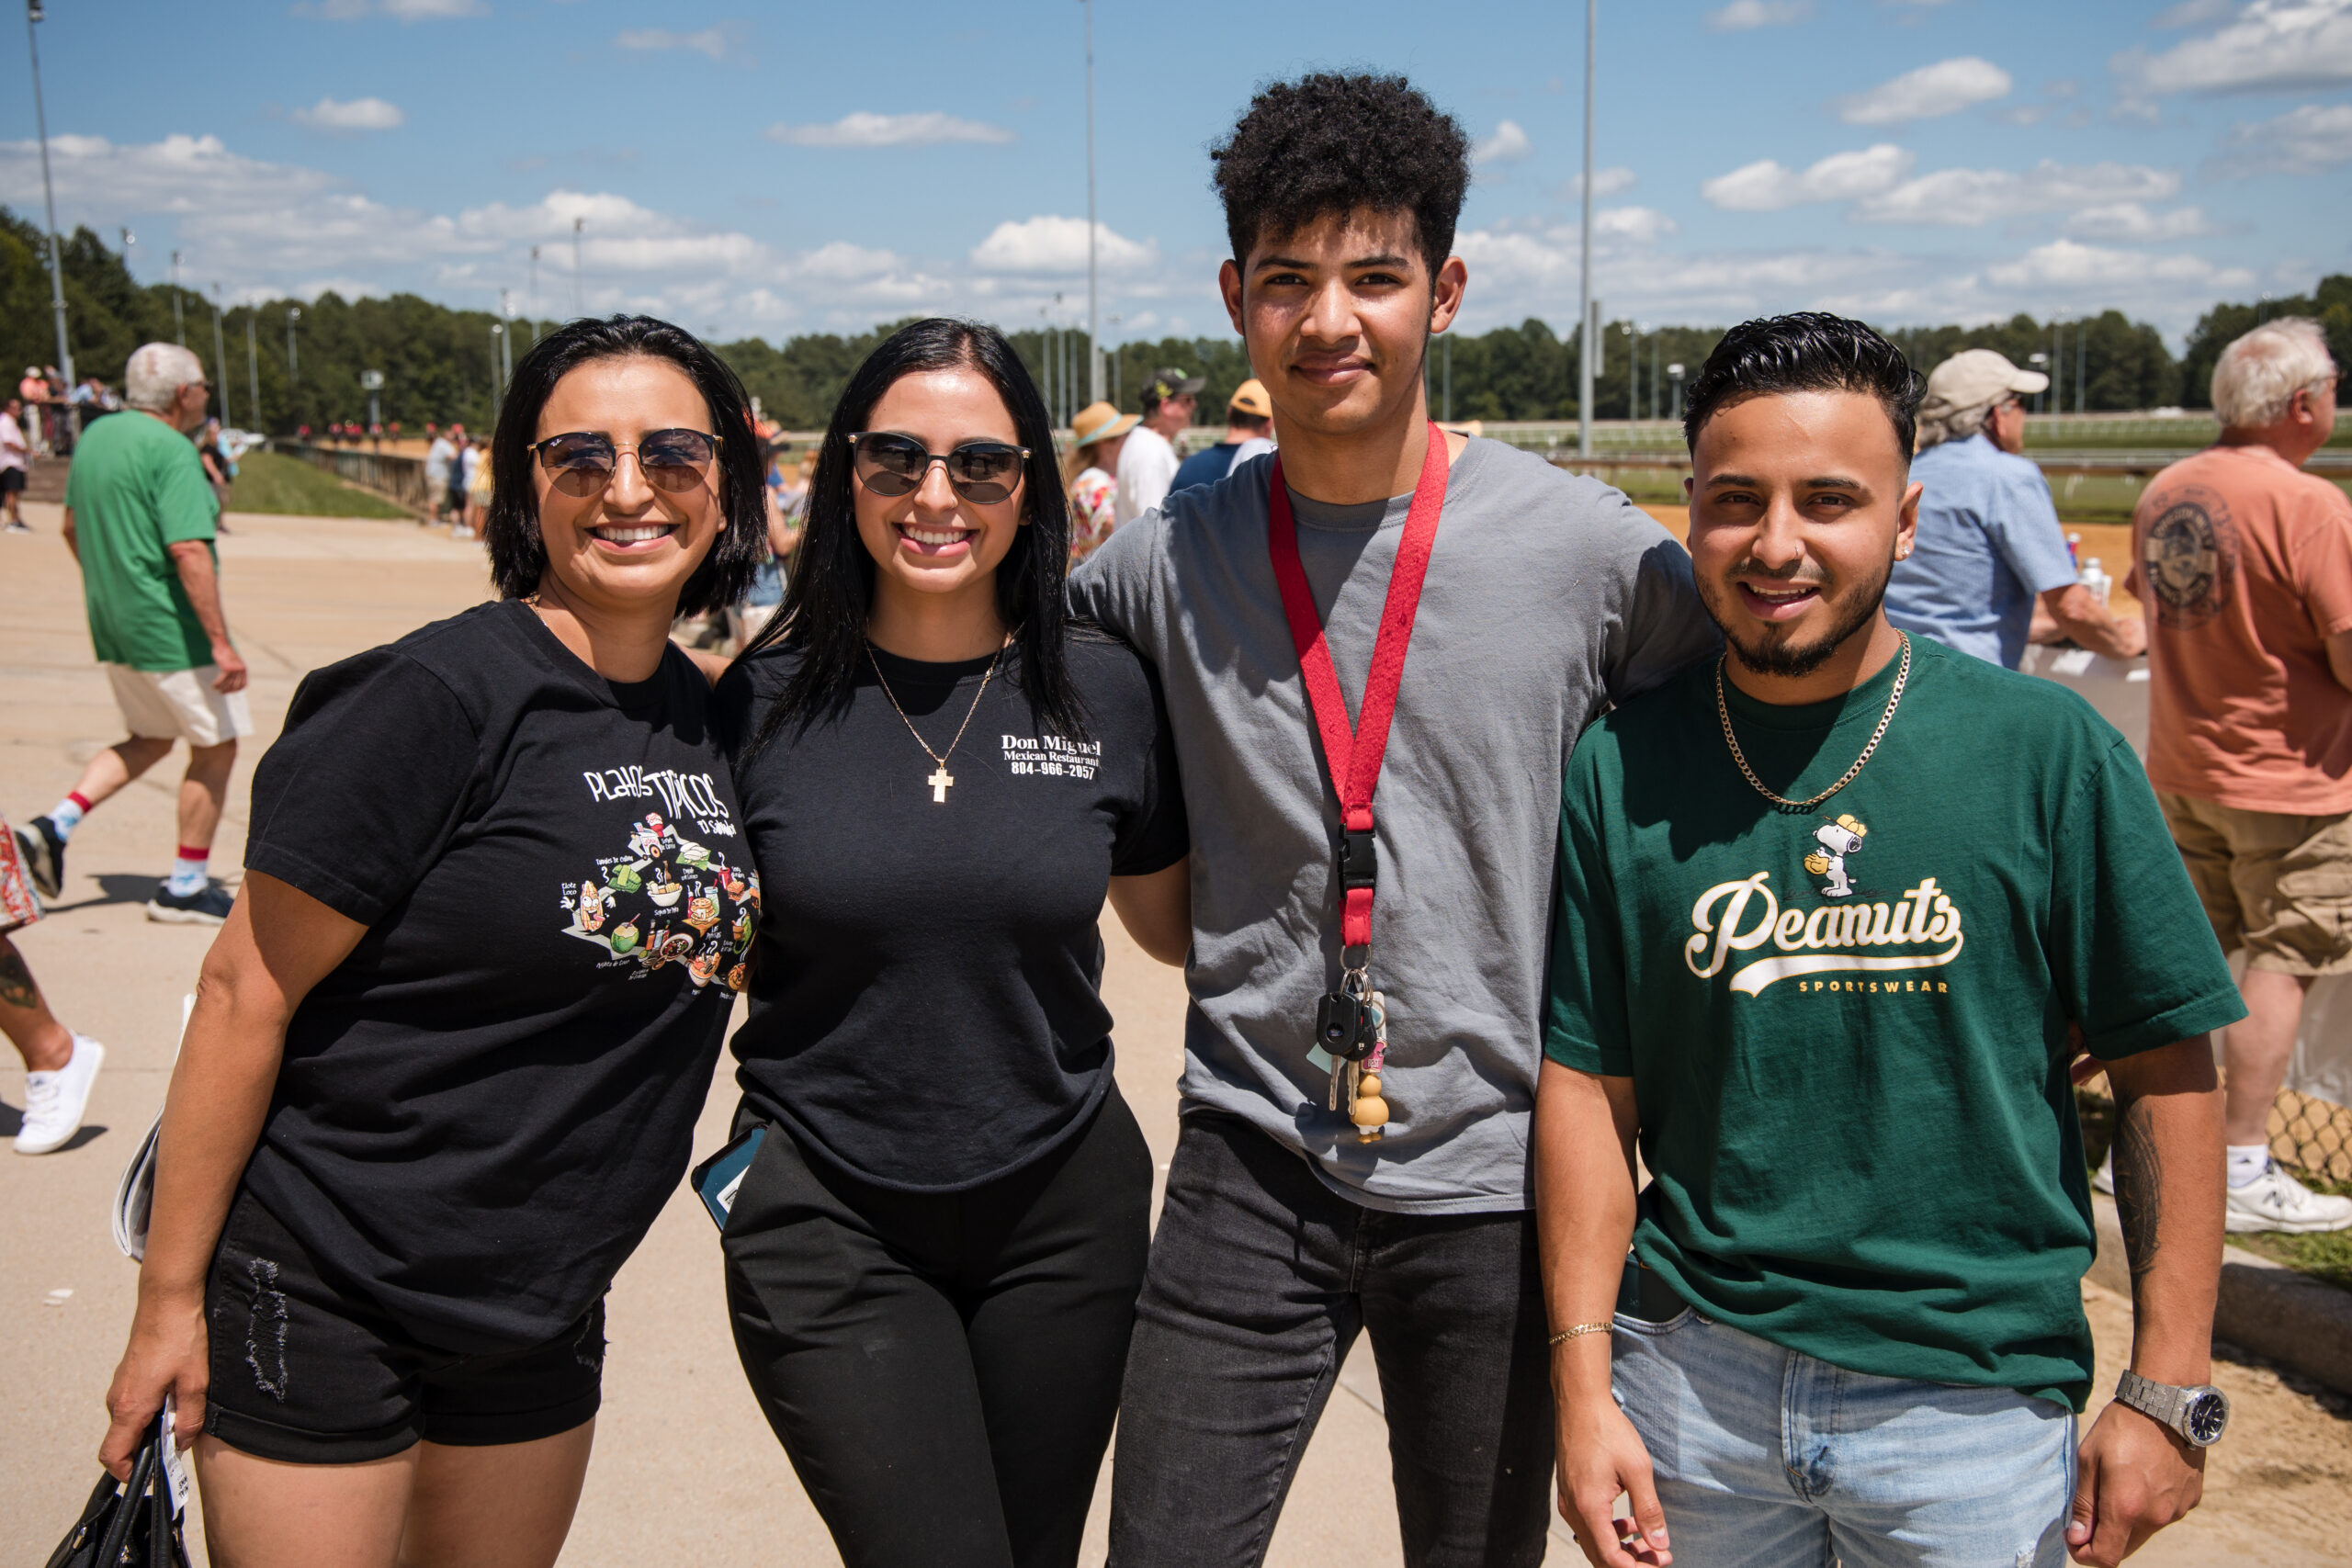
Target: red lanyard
{"x": 1353, "y": 756}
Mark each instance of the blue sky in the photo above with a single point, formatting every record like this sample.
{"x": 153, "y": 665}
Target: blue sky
{"x": 772, "y": 170}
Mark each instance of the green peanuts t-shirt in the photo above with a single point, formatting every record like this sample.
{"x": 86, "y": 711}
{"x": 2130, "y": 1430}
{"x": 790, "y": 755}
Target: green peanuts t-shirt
{"x": 137, "y": 488}
{"x": 1846, "y": 1027}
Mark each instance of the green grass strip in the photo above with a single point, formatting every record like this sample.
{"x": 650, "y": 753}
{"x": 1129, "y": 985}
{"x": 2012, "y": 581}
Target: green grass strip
{"x": 272, "y": 483}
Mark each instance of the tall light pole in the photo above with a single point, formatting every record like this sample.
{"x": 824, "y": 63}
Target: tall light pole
{"x": 535, "y": 293}
{"x": 48, "y": 198}
{"x": 293, "y": 363}
{"x": 578, "y": 308}
{"x": 1585, "y": 329}
{"x": 253, "y": 368}
{"x": 179, "y": 324}
{"x": 221, "y": 358}
{"x": 1093, "y": 354}
{"x": 497, "y": 386}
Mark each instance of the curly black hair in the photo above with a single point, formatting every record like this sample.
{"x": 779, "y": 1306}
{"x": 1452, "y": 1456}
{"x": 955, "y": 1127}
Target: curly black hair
{"x": 1334, "y": 142}
{"x": 1808, "y": 351}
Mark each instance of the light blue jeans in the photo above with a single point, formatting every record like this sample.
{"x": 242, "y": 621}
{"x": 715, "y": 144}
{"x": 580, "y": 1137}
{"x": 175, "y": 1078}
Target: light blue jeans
{"x": 1767, "y": 1457}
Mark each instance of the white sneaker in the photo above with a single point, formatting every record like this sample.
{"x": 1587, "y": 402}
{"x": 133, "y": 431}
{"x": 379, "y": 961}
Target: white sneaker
{"x": 54, "y": 1102}
{"x": 2276, "y": 1201}
{"x": 2103, "y": 1178}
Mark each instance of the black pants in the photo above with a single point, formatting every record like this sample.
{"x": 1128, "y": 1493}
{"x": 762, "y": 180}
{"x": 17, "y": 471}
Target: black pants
{"x": 943, "y": 1369}
{"x": 1260, "y": 1277}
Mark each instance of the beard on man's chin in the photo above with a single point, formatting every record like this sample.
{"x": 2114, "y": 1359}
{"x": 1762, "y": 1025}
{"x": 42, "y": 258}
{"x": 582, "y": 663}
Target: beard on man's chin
{"x": 1769, "y": 653}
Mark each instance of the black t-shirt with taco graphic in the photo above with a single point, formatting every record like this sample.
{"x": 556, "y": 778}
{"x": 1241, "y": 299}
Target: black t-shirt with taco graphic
{"x": 1848, "y": 1028}
{"x": 481, "y": 1110}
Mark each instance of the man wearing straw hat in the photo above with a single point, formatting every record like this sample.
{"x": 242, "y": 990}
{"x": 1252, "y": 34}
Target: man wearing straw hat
{"x": 1989, "y": 542}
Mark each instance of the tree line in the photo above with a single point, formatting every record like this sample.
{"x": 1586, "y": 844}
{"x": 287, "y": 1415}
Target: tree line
{"x": 442, "y": 364}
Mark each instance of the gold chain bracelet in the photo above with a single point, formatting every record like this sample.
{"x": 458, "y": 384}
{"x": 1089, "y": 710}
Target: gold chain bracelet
{"x": 1566, "y": 1335}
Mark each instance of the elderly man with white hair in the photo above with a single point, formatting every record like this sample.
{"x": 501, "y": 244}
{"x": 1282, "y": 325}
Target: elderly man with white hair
{"x": 1989, "y": 544}
{"x": 140, "y": 518}
{"x": 2245, "y": 563}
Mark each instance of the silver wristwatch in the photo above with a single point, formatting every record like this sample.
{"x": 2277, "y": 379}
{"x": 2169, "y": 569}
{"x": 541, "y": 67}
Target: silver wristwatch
{"x": 2200, "y": 1414}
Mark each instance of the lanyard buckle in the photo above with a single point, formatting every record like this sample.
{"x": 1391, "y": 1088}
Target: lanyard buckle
{"x": 1359, "y": 859}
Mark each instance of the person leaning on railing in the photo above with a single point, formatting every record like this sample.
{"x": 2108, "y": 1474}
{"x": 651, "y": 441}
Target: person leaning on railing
{"x": 1990, "y": 550}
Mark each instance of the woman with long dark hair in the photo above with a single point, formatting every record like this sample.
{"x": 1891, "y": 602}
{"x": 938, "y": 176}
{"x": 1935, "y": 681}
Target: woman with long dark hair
{"x": 933, "y": 1259}
{"x": 448, "y": 1051}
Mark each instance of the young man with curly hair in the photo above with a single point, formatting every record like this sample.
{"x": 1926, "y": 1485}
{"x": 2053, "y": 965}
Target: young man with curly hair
{"x": 1310, "y": 1199}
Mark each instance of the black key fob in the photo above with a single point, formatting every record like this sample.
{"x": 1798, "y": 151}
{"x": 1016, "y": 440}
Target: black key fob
{"x": 1344, "y": 1026}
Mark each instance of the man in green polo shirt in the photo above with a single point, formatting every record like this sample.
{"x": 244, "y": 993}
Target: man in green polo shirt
{"x": 140, "y": 518}
{"x": 1835, "y": 912}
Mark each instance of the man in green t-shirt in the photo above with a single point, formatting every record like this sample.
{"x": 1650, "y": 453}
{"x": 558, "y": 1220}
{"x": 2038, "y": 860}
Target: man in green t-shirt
{"x": 139, "y": 517}
{"x": 1836, "y": 913}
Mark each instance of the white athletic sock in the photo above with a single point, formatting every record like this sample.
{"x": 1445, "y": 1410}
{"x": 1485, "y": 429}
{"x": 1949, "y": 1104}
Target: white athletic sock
{"x": 65, "y": 815}
{"x": 188, "y": 878}
{"x": 2247, "y": 1161}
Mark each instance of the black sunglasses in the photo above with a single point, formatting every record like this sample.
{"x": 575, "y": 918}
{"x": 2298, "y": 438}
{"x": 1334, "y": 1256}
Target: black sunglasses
{"x": 982, "y": 472}
{"x": 582, "y": 460}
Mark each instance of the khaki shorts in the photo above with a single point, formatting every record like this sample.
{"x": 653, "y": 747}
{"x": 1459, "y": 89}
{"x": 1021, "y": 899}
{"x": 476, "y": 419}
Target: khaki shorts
{"x": 2279, "y": 885}
{"x": 179, "y": 704}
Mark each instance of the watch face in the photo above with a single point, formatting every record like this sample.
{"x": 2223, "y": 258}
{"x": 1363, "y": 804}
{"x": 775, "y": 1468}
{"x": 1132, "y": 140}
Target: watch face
{"x": 2207, "y": 1415}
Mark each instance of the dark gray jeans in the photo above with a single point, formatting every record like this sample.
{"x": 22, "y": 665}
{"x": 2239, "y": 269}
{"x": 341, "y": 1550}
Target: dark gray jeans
{"x": 1260, "y": 1277}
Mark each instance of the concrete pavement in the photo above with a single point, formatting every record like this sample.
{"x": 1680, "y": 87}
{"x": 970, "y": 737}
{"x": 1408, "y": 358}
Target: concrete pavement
{"x": 684, "y": 1468}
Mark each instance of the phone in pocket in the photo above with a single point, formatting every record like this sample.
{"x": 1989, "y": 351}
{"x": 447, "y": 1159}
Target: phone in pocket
{"x": 717, "y": 1180}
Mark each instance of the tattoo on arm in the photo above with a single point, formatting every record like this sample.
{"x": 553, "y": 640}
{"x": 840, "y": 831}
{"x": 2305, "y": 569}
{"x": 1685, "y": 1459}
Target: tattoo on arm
{"x": 2139, "y": 1185}
{"x": 17, "y": 987}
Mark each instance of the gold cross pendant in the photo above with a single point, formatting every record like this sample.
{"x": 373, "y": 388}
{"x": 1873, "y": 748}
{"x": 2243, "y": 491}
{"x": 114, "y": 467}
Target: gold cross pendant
{"x": 939, "y": 781}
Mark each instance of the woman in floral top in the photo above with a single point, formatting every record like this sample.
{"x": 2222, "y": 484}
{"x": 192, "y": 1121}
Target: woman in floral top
{"x": 1099, "y": 430}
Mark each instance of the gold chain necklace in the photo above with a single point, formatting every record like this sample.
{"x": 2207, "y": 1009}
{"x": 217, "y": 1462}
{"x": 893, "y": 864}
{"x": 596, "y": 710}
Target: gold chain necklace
{"x": 939, "y": 778}
{"x": 1723, "y": 712}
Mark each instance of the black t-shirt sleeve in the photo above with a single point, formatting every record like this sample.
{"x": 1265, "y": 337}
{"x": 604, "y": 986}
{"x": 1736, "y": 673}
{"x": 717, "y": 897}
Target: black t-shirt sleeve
{"x": 1156, "y": 835}
{"x": 364, "y": 787}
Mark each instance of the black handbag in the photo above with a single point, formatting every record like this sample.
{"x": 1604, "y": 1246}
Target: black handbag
{"x": 128, "y": 1525}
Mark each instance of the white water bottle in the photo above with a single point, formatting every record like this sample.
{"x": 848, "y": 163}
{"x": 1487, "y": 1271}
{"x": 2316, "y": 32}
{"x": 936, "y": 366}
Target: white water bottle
{"x": 2096, "y": 581}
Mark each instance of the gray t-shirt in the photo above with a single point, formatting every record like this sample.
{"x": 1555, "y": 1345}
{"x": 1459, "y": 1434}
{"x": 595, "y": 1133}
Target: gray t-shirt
{"x": 1548, "y": 596}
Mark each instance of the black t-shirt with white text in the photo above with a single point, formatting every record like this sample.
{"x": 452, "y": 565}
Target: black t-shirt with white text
{"x": 925, "y": 1002}
{"x": 483, "y": 1107}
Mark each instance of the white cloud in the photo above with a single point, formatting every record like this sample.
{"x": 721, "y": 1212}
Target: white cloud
{"x": 1641, "y": 225}
{"x": 2129, "y": 222}
{"x": 1768, "y": 186}
{"x": 2066, "y": 265}
{"x": 1050, "y": 244}
{"x": 1742, "y": 14}
{"x": 863, "y": 129}
{"x": 403, "y": 10}
{"x": 1606, "y": 183}
{"x": 1508, "y": 144}
{"x": 356, "y": 114}
{"x": 2302, "y": 140}
{"x": 1966, "y": 198}
{"x": 2272, "y": 43}
{"x": 2191, "y": 14}
{"x": 712, "y": 41}
{"x": 1943, "y": 88}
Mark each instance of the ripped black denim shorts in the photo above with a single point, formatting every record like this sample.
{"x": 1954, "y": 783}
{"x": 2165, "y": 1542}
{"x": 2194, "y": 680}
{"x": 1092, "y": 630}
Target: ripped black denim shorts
{"x": 308, "y": 1372}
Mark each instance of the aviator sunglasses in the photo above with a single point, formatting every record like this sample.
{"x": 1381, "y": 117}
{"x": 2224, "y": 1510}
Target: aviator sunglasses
{"x": 582, "y": 461}
{"x": 982, "y": 472}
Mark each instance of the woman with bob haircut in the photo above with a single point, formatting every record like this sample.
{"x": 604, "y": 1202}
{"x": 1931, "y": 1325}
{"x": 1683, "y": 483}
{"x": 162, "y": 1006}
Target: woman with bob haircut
{"x": 448, "y": 1051}
{"x": 932, "y": 1258}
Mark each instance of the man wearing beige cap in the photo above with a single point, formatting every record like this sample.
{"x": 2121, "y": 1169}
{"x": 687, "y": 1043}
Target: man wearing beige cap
{"x": 1147, "y": 462}
{"x": 1989, "y": 543}
{"x": 1249, "y": 429}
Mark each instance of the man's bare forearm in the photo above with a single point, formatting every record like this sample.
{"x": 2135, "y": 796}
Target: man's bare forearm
{"x": 2168, "y": 1186}
{"x": 194, "y": 563}
{"x": 1584, "y": 1214}
{"x": 2081, "y": 617}
{"x": 72, "y": 547}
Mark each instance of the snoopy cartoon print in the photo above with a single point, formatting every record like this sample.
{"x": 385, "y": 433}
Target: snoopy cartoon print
{"x": 1837, "y": 839}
